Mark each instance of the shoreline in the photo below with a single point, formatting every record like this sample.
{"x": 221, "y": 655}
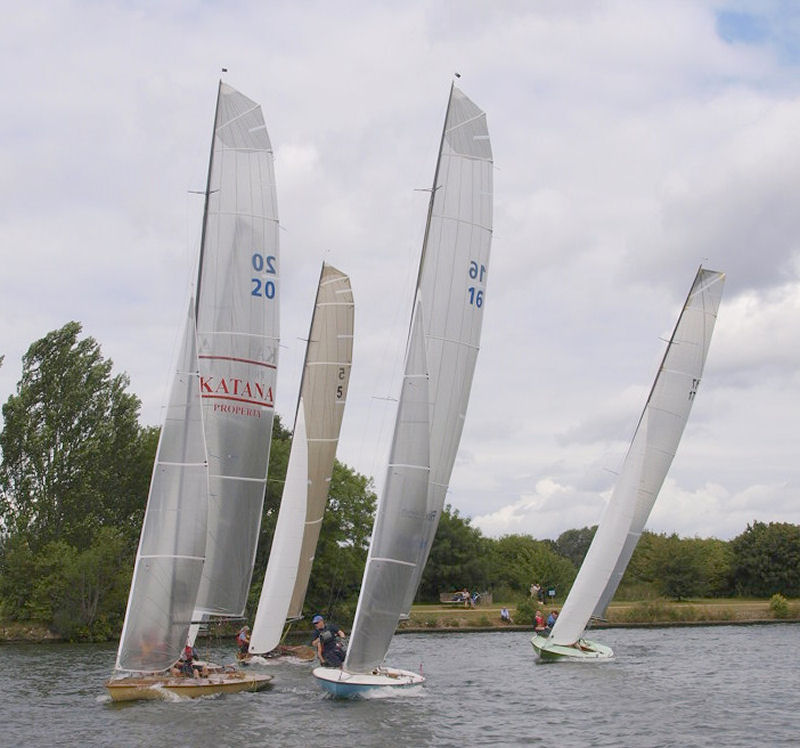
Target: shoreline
{"x": 35, "y": 634}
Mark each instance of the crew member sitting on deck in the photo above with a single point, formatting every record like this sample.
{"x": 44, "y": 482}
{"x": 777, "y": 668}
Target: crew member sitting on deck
{"x": 328, "y": 642}
{"x": 186, "y": 665}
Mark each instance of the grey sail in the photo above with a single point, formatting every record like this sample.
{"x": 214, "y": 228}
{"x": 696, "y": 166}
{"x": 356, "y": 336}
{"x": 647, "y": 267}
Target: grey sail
{"x": 452, "y": 287}
{"x": 203, "y": 513}
{"x": 237, "y": 333}
{"x": 172, "y": 544}
{"x": 648, "y": 460}
{"x": 440, "y": 360}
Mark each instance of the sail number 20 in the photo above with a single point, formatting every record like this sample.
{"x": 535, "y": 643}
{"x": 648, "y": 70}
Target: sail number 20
{"x": 263, "y": 264}
{"x": 476, "y": 273}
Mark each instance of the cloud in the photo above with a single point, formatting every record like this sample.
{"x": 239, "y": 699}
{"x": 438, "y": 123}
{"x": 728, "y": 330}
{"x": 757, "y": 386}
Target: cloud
{"x": 631, "y": 144}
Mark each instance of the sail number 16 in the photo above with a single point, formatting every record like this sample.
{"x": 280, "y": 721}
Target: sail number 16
{"x": 263, "y": 264}
{"x": 477, "y": 273}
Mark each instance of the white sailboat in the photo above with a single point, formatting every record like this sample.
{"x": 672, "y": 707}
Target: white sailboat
{"x": 200, "y": 529}
{"x": 440, "y": 360}
{"x": 649, "y": 457}
{"x": 320, "y": 406}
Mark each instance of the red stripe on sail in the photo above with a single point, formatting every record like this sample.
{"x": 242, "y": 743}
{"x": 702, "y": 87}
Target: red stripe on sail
{"x": 240, "y": 360}
{"x": 238, "y": 400}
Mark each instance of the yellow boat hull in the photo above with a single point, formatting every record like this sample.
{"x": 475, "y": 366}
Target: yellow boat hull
{"x": 134, "y": 688}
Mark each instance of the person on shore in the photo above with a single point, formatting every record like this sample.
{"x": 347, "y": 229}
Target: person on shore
{"x": 538, "y": 622}
{"x": 505, "y": 616}
{"x": 327, "y": 639}
{"x": 535, "y": 591}
{"x": 242, "y": 643}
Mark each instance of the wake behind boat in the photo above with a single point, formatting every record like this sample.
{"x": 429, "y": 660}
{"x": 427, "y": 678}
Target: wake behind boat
{"x": 198, "y": 541}
{"x": 649, "y": 457}
{"x": 441, "y": 351}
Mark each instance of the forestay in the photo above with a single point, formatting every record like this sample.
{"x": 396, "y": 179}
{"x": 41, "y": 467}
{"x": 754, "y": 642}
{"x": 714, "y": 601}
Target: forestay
{"x": 649, "y": 457}
{"x": 237, "y": 331}
{"x": 323, "y": 394}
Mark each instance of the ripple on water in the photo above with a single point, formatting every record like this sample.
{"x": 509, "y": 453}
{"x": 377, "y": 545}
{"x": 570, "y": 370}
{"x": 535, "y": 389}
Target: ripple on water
{"x": 728, "y": 685}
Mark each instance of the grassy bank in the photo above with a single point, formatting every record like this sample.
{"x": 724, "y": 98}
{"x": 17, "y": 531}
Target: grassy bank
{"x": 649, "y": 613}
{"x": 433, "y": 617}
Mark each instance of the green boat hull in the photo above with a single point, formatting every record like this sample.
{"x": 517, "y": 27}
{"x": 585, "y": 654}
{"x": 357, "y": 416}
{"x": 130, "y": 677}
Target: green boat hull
{"x": 582, "y": 650}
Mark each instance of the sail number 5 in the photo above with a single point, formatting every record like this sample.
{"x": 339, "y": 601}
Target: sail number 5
{"x": 477, "y": 273}
{"x": 263, "y": 264}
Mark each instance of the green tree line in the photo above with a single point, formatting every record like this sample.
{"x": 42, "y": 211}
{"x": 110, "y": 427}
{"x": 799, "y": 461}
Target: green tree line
{"x": 75, "y": 466}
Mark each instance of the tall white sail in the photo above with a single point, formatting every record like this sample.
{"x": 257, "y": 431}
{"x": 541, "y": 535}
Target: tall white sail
{"x": 399, "y": 521}
{"x": 323, "y": 393}
{"x": 648, "y": 460}
{"x": 237, "y": 334}
{"x": 172, "y": 545}
{"x": 452, "y": 287}
{"x": 440, "y": 361}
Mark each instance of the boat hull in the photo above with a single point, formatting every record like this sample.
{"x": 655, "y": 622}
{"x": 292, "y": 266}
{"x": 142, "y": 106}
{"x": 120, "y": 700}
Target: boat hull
{"x": 344, "y": 685}
{"x": 584, "y": 650}
{"x": 135, "y": 688}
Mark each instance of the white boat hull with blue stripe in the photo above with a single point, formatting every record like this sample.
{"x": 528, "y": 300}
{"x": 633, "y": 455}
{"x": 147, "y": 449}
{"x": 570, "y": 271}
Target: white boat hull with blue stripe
{"x": 344, "y": 685}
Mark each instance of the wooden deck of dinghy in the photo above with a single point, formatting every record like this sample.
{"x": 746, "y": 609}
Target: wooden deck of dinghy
{"x": 133, "y": 688}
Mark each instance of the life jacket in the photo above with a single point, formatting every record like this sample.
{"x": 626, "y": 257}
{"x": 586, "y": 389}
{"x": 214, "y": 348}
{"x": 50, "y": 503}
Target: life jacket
{"x": 325, "y": 636}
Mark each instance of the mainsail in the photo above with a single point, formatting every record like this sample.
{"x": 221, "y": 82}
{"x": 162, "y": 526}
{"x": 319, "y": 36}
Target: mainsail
{"x": 237, "y": 334}
{"x": 203, "y": 513}
{"x": 452, "y": 288}
{"x": 323, "y": 393}
{"x": 440, "y": 360}
{"x": 649, "y": 457}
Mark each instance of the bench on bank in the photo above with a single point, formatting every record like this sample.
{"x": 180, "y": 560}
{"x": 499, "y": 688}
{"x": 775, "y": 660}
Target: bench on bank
{"x": 454, "y": 598}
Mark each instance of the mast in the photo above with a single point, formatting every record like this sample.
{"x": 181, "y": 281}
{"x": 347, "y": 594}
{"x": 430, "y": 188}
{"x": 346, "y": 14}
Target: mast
{"x": 430, "y": 203}
{"x": 205, "y": 207}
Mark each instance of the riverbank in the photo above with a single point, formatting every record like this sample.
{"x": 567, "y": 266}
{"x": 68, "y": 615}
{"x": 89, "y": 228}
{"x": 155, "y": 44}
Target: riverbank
{"x": 438, "y": 618}
{"x": 645, "y": 613}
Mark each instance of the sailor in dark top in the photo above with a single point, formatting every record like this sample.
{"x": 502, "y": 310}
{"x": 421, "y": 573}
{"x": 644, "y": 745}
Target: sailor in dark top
{"x": 327, "y": 639}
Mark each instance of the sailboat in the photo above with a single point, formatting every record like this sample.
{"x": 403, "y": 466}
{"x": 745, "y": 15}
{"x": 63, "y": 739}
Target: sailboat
{"x": 441, "y": 352}
{"x": 649, "y": 457}
{"x": 198, "y": 540}
{"x": 318, "y": 419}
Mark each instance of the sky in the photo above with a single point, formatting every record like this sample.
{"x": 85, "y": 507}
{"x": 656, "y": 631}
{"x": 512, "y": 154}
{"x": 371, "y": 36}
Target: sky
{"x": 632, "y": 142}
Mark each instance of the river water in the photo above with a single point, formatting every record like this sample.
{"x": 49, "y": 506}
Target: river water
{"x": 704, "y": 686}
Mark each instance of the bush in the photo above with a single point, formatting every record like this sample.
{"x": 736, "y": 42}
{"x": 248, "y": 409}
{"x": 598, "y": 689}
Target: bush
{"x": 526, "y": 610}
{"x": 779, "y": 606}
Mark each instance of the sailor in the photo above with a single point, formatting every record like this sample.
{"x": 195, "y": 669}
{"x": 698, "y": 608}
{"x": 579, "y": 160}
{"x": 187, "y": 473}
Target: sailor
{"x": 242, "y": 642}
{"x": 186, "y": 665}
{"x": 327, "y": 639}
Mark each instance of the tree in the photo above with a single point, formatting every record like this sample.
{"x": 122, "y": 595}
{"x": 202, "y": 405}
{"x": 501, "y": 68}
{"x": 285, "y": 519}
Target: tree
{"x": 73, "y": 455}
{"x": 678, "y": 568}
{"x": 574, "y": 544}
{"x": 766, "y": 560}
{"x": 456, "y": 558}
{"x": 519, "y": 560}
